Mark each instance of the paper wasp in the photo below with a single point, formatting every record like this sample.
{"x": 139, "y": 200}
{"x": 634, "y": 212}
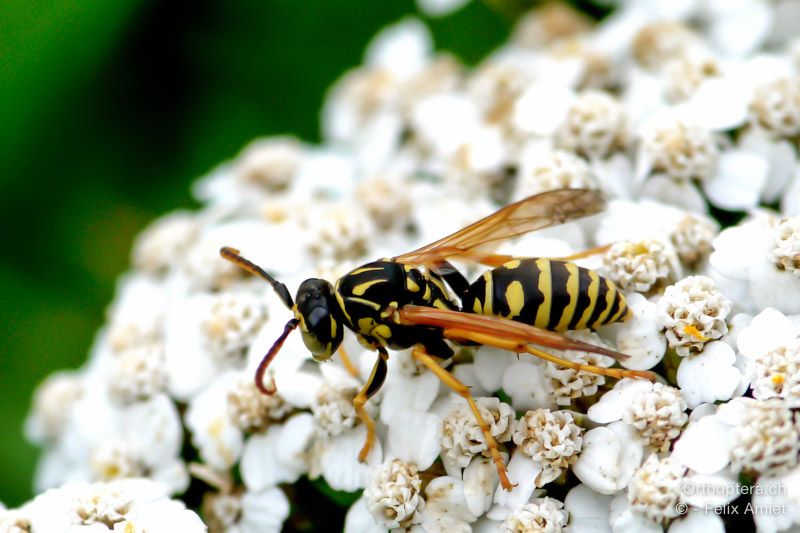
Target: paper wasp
{"x": 404, "y": 302}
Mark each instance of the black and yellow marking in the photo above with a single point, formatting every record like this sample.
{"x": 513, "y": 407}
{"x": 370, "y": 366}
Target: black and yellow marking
{"x": 549, "y": 294}
{"x": 367, "y": 292}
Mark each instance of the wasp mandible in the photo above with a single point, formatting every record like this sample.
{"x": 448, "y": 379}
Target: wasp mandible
{"x": 404, "y": 302}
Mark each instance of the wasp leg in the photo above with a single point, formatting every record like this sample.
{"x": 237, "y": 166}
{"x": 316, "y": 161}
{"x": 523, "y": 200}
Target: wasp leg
{"x": 348, "y": 364}
{"x": 585, "y": 253}
{"x": 514, "y": 345}
{"x": 373, "y": 385}
{"x": 462, "y": 390}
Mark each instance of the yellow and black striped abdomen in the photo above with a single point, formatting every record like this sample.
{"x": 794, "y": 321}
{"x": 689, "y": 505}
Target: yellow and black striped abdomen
{"x": 550, "y": 294}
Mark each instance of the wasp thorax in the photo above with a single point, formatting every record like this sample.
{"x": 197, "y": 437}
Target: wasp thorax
{"x": 318, "y": 312}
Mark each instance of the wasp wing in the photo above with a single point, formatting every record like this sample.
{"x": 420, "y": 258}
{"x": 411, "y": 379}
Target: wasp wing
{"x": 500, "y": 328}
{"x": 478, "y": 240}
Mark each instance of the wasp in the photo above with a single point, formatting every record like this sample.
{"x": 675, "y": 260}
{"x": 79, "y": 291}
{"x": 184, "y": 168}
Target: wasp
{"x": 419, "y": 300}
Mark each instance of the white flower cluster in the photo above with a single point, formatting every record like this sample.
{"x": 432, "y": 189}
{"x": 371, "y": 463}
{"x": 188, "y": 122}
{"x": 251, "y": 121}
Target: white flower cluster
{"x": 130, "y": 505}
{"x": 664, "y": 106}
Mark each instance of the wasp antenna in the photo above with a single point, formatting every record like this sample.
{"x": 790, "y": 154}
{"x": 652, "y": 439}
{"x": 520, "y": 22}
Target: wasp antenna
{"x": 232, "y": 255}
{"x": 273, "y": 351}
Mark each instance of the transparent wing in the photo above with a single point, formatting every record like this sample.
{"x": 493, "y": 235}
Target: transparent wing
{"x": 478, "y": 240}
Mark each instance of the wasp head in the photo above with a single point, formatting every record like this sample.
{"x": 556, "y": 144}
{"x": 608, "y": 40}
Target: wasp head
{"x": 318, "y": 312}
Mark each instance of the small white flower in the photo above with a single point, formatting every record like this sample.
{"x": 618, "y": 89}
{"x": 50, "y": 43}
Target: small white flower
{"x": 786, "y": 251}
{"x": 337, "y": 231}
{"x": 113, "y": 459}
{"x": 768, "y": 346}
{"x": 541, "y": 108}
{"x": 655, "y": 488}
{"x": 754, "y": 436}
{"x": 445, "y": 122}
{"x": 709, "y": 376}
{"x": 693, "y": 311}
{"x": 776, "y": 374}
{"x": 708, "y": 90}
{"x": 480, "y": 482}
{"x": 769, "y": 330}
{"x": 203, "y": 268}
{"x": 402, "y": 48}
{"x": 249, "y": 512}
{"x": 269, "y": 164}
{"x": 540, "y": 514}
{"x": 126, "y": 505}
{"x": 136, "y": 316}
{"x": 231, "y": 323}
{"x": 594, "y": 126}
{"x": 387, "y": 202}
{"x": 569, "y": 384}
{"x": 547, "y": 444}
{"x": 548, "y": 23}
{"x": 333, "y": 407}
{"x": 206, "y": 333}
{"x": 705, "y": 444}
{"x": 354, "y": 99}
{"x": 409, "y": 386}
{"x": 393, "y": 494}
{"x": 680, "y": 149}
{"x": 767, "y": 438}
{"x": 278, "y": 455}
{"x": 138, "y": 373}
{"x": 462, "y": 437}
{"x": 250, "y": 409}
{"x": 495, "y": 85}
{"x": 690, "y": 233}
{"x": 477, "y": 164}
{"x": 610, "y": 456}
{"x": 446, "y": 506}
{"x": 103, "y": 439}
{"x": 776, "y": 106}
{"x": 644, "y": 266}
{"x": 551, "y": 439}
{"x": 339, "y": 433}
{"x": 52, "y": 403}
{"x": 686, "y": 73}
{"x": 692, "y": 238}
{"x": 657, "y": 415}
{"x": 659, "y": 42}
{"x": 546, "y": 170}
{"x": 741, "y": 257}
{"x": 640, "y": 337}
{"x": 739, "y": 181}
{"x": 614, "y": 403}
{"x": 159, "y": 248}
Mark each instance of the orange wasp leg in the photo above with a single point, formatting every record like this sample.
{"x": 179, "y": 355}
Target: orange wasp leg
{"x": 373, "y": 385}
{"x": 462, "y": 390}
{"x": 513, "y": 345}
{"x": 348, "y": 364}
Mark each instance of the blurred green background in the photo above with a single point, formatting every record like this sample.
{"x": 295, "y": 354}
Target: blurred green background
{"x": 108, "y": 112}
